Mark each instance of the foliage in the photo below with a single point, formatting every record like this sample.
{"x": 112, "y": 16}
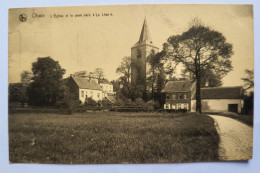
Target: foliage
{"x": 139, "y": 102}
{"x": 89, "y": 102}
{"x": 156, "y": 74}
{"x": 249, "y": 103}
{"x": 46, "y": 88}
{"x": 68, "y": 101}
{"x": 26, "y": 78}
{"x": 125, "y": 69}
{"x": 249, "y": 79}
{"x": 99, "y": 73}
{"x": 17, "y": 93}
{"x": 200, "y": 48}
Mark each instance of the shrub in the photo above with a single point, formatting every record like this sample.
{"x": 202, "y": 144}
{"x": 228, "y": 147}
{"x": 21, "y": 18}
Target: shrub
{"x": 139, "y": 102}
{"x": 90, "y": 103}
{"x": 151, "y": 105}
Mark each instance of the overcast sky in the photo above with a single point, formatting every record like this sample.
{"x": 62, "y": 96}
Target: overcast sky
{"x": 88, "y": 42}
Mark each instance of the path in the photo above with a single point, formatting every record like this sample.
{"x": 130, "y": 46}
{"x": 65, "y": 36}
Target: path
{"x": 236, "y": 139}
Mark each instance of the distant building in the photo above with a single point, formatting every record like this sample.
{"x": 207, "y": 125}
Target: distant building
{"x": 139, "y": 53}
{"x": 107, "y": 87}
{"x": 182, "y": 95}
{"x": 84, "y": 88}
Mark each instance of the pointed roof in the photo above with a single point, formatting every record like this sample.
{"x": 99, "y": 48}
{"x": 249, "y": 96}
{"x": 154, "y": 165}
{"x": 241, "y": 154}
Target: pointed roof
{"x": 145, "y": 37}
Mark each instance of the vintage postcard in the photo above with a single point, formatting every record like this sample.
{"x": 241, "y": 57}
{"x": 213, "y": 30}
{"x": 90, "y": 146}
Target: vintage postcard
{"x": 131, "y": 84}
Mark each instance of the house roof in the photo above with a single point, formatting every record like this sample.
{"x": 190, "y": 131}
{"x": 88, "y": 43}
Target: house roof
{"x": 85, "y": 83}
{"x": 222, "y": 93}
{"x": 105, "y": 81}
{"x": 178, "y": 86}
{"x": 111, "y": 99}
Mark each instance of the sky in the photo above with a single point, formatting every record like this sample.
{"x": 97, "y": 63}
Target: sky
{"x": 85, "y": 39}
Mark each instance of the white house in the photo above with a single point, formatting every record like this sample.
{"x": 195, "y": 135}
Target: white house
{"x": 182, "y": 95}
{"x": 85, "y": 88}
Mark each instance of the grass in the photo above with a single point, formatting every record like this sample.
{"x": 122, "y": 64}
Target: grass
{"x": 112, "y": 137}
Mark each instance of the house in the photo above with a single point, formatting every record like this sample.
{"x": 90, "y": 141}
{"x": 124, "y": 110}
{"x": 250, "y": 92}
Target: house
{"x": 107, "y": 87}
{"x": 84, "y": 88}
{"x": 178, "y": 94}
{"x": 182, "y": 95}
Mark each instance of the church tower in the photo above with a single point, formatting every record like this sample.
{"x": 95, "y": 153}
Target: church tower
{"x": 139, "y": 53}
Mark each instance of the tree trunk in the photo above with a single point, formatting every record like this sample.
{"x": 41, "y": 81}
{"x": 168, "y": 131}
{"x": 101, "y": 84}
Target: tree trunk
{"x": 197, "y": 71}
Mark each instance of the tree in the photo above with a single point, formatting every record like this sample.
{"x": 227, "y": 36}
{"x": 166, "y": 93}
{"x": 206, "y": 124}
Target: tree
{"x": 46, "y": 87}
{"x": 26, "y": 78}
{"x": 200, "y": 48}
{"x": 99, "y": 73}
{"x": 18, "y": 91}
{"x": 249, "y": 79}
{"x": 124, "y": 69}
{"x": 156, "y": 73}
{"x": 208, "y": 77}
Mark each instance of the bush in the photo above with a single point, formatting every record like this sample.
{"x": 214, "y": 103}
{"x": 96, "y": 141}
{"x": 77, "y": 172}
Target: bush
{"x": 152, "y": 105}
{"x": 139, "y": 102}
{"x": 90, "y": 103}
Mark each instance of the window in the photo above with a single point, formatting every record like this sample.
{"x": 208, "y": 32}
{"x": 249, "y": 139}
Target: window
{"x": 185, "y": 96}
{"x": 180, "y": 96}
{"x": 167, "y": 96}
{"x": 167, "y": 106}
{"x": 98, "y": 95}
{"x": 82, "y": 93}
{"x": 139, "y": 55}
{"x": 173, "y": 106}
{"x": 174, "y": 96}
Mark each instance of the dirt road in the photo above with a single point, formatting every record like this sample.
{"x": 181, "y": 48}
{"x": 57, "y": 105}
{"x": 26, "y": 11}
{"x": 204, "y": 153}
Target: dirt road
{"x": 236, "y": 139}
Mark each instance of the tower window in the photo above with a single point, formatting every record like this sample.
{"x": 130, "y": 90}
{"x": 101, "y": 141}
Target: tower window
{"x": 139, "y": 55}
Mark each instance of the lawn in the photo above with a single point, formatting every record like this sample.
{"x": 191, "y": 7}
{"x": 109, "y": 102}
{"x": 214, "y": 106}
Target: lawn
{"x": 112, "y": 137}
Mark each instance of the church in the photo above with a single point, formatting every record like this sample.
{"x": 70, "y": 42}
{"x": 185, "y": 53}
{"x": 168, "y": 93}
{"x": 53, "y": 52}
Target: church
{"x": 139, "y": 53}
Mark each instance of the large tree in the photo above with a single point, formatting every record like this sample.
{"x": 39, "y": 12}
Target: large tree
{"x": 156, "y": 74}
{"x": 46, "y": 87}
{"x": 200, "y": 48}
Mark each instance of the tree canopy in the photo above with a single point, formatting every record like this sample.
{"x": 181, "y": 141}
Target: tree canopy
{"x": 197, "y": 49}
{"x": 46, "y": 86}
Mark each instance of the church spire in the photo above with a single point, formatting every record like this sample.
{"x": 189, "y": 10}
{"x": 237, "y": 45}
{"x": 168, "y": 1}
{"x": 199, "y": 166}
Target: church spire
{"x": 145, "y": 35}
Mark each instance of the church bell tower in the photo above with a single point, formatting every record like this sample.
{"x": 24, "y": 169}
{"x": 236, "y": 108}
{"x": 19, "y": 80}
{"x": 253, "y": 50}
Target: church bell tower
{"x": 139, "y": 53}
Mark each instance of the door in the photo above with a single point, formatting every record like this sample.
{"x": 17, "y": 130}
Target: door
{"x": 233, "y": 107}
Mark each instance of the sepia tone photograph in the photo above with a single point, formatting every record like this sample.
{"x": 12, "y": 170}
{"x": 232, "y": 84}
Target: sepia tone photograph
{"x": 131, "y": 84}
